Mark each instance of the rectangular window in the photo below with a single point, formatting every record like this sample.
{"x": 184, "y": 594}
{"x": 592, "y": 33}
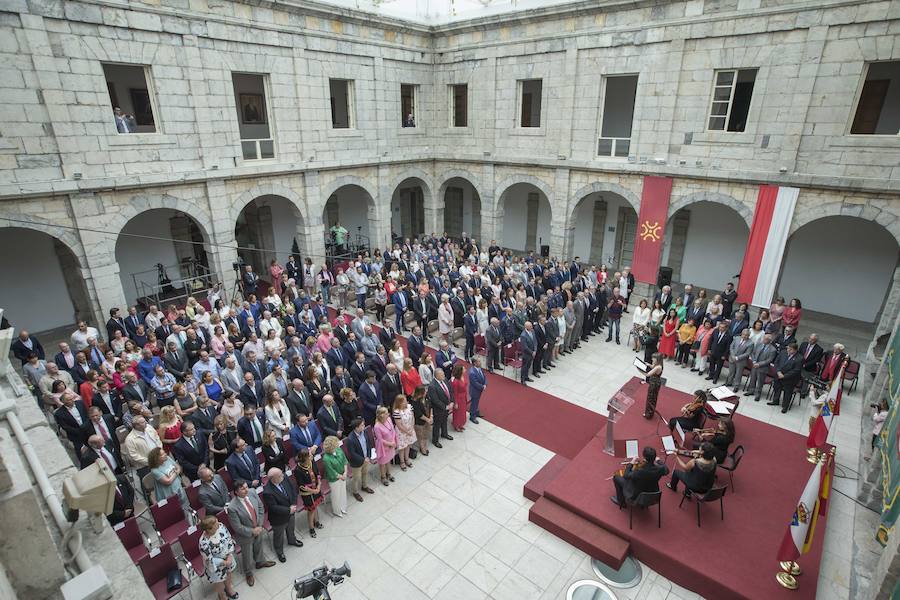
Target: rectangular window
{"x": 878, "y": 107}
{"x": 530, "y": 102}
{"x": 408, "y": 105}
{"x": 459, "y": 105}
{"x": 253, "y": 116}
{"x": 131, "y": 98}
{"x": 732, "y": 91}
{"x": 618, "y": 113}
{"x": 341, "y": 103}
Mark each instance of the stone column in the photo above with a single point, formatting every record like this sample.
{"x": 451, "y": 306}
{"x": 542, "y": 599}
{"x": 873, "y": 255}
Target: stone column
{"x": 380, "y": 213}
{"x": 488, "y": 206}
{"x": 222, "y": 251}
{"x": 102, "y": 274}
{"x": 559, "y": 204}
{"x": 311, "y": 231}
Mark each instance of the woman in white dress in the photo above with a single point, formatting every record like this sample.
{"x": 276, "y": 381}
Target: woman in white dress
{"x": 395, "y": 354}
{"x": 445, "y": 317}
{"x": 639, "y": 320}
{"x": 426, "y": 369}
{"x": 482, "y": 315}
{"x": 278, "y": 417}
{"x": 217, "y": 550}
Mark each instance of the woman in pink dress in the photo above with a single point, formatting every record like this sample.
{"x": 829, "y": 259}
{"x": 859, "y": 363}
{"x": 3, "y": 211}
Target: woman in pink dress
{"x": 385, "y": 443}
{"x": 459, "y": 392}
{"x": 792, "y": 314}
{"x": 669, "y": 333}
{"x": 275, "y": 270}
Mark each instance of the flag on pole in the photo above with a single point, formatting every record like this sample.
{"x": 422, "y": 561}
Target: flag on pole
{"x": 799, "y": 530}
{"x": 831, "y": 406}
{"x": 821, "y": 502}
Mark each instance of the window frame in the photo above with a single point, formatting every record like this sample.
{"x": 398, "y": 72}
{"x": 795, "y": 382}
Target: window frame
{"x": 857, "y": 97}
{"x": 415, "y": 106}
{"x": 601, "y": 112}
{"x": 351, "y": 104}
{"x": 151, "y": 92}
{"x": 712, "y": 100}
{"x": 520, "y": 94}
{"x": 270, "y": 120}
{"x": 451, "y": 92}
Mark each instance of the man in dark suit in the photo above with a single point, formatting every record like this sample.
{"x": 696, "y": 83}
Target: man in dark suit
{"x": 175, "y": 361}
{"x": 391, "y": 386}
{"x": 65, "y": 359}
{"x": 252, "y": 391}
{"x": 96, "y": 449}
{"x": 353, "y": 345}
{"x": 718, "y": 350}
{"x": 101, "y": 424}
{"x": 212, "y": 491}
{"x": 785, "y": 338}
{"x": 416, "y": 345}
{"x": 528, "y": 346}
{"x": 252, "y": 426}
{"x": 257, "y": 367}
{"x": 665, "y": 297}
{"x": 249, "y": 281}
{"x": 24, "y": 345}
{"x": 108, "y": 400}
{"x": 280, "y": 498}
{"x": 191, "y": 450}
{"x": 641, "y": 475}
{"x": 788, "y": 365}
{"x": 298, "y": 400}
{"x": 359, "y": 445}
{"x": 71, "y": 418}
{"x": 387, "y": 334}
{"x": 358, "y": 370}
{"x": 687, "y": 297}
{"x": 422, "y": 307}
{"x": 551, "y": 334}
{"x": 329, "y": 418}
{"x": 470, "y": 328}
{"x": 441, "y": 405}
{"x": 458, "y": 305}
{"x": 336, "y": 356}
{"x": 242, "y": 463}
{"x": 340, "y": 380}
{"x": 136, "y": 389}
{"x": 477, "y": 383}
{"x": 401, "y": 305}
{"x": 123, "y": 501}
{"x": 204, "y": 416}
{"x": 540, "y": 335}
{"x": 445, "y": 358}
{"x": 370, "y": 396}
{"x": 811, "y": 353}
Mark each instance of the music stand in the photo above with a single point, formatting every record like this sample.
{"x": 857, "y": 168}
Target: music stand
{"x": 617, "y": 406}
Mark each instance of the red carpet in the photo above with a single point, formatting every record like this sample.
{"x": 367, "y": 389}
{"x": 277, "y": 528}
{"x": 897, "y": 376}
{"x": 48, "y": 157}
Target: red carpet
{"x": 734, "y": 558}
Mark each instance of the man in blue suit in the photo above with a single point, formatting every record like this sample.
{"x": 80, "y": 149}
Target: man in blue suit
{"x": 415, "y": 346}
{"x": 305, "y": 435}
{"x": 400, "y": 308}
{"x": 470, "y": 326}
{"x": 242, "y": 464}
{"x": 528, "y": 346}
{"x": 370, "y": 394}
{"x": 477, "y": 383}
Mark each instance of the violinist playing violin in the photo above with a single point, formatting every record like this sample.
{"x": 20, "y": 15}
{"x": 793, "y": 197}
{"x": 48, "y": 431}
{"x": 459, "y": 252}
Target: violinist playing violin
{"x": 640, "y": 475}
{"x": 721, "y": 438}
{"x": 691, "y": 413}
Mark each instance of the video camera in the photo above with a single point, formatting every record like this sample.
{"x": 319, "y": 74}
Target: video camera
{"x": 315, "y": 585}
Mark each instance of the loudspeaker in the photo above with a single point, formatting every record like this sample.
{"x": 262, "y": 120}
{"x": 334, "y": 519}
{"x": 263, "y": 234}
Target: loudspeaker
{"x": 664, "y": 277}
{"x": 545, "y": 251}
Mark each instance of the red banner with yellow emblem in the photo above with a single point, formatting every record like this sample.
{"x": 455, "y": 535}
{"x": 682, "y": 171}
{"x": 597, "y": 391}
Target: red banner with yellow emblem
{"x": 651, "y": 225}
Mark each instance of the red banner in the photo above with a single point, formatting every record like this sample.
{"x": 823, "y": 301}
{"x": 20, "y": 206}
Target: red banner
{"x": 651, "y": 225}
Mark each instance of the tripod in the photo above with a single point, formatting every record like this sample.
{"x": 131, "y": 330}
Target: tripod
{"x": 237, "y": 288}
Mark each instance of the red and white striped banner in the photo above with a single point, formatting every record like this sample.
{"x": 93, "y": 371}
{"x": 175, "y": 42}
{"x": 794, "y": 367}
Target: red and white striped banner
{"x": 765, "y": 247}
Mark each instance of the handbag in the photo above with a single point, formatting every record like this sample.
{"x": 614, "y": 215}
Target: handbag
{"x": 173, "y": 580}
{"x": 413, "y": 452}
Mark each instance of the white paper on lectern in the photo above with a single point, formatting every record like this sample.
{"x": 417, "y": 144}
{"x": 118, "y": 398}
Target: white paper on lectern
{"x": 631, "y": 448}
{"x": 668, "y": 444}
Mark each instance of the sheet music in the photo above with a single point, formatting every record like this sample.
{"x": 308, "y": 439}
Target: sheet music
{"x": 680, "y": 433}
{"x": 668, "y": 444}
{"x": 631, "y": 448}
{"x": 641, "y": 365}
{"x": 721, "y": 407}
{"x": 722, "y": 392}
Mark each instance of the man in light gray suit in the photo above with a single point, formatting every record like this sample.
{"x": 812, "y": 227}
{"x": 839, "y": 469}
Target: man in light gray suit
{"x": 740, "y": 351}
{"x": 764, "y": 352}
{"x": 232, "y": 376}
{"x": 245, "y": 512}
{"x": 358, "y": 325}
{"x": 213, "y": 492}
{"x": 369, "y": 342}
{"x": 569, "y": 315}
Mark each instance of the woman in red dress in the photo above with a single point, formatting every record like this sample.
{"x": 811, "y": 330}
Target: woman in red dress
{"x": 409, "y": 377}
{"x": 459, "y": 391}
{"x": 669, "y": 334}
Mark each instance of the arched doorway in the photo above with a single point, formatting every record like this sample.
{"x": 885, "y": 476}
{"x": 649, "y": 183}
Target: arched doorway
{"x": 841, "y": 266}
{"x": 267, "y": 229}
{"x": 408, "y": 209}
{"x": 349, "y": 206}
{"x": 44, "y": 287}
{"x": 172, "y": 240}
{"x": 462, "y": 209}
{"x": 603, "y": 229}
{"x": 705, "y": 244}
{"x": 526, "y": 216}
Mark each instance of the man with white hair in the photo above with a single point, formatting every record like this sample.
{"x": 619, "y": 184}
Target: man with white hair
{"x": 831, "y": 364}
{"x": 280, "y": 498}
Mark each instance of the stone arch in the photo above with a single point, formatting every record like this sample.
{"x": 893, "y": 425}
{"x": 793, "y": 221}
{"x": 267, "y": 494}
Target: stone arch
{"x": 143, "y": 203}
{"x": 451, "y": 174}
{"x": 631, "y": 198}
{"x": 512, "y": 180}
{"x": 415, "y": 173}
{"x": 67, "y": 237}
{"x": 805, "y": 214}
{"x": 684, "y": 201}
{"x": 345, "y": 180}
{"x": 269, "y": 189}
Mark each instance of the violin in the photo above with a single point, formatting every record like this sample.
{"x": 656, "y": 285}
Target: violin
{"x": 691, "y": 407}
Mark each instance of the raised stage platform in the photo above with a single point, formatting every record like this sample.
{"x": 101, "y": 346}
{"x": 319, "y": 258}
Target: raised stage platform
{"x": 724, "y": 559}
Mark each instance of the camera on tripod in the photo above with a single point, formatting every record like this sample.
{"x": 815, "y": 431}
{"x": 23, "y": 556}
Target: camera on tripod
{"x": 239, "y": 265}
{"x": 315, "y": 585}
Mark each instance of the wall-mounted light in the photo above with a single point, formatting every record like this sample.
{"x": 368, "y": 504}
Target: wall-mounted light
{"x": 76, "y": 175}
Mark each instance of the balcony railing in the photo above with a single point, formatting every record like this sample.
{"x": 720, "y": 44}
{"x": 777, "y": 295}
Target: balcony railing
{"x": 258, "y": 149}
{"x": 617, "y": 147}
